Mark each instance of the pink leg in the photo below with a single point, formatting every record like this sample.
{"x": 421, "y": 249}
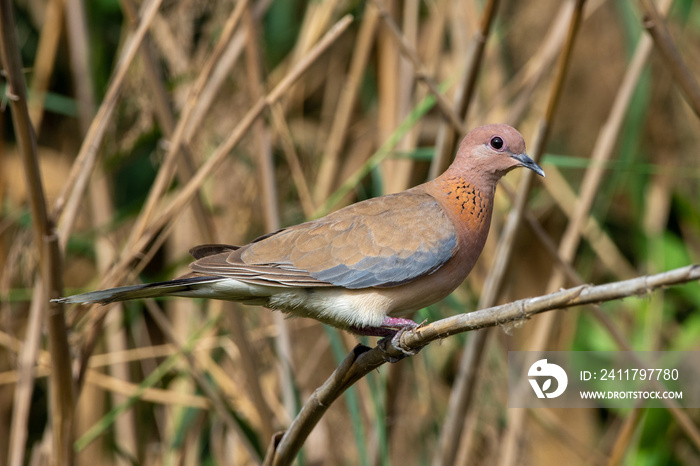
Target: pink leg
{"x": 389, "y": 327}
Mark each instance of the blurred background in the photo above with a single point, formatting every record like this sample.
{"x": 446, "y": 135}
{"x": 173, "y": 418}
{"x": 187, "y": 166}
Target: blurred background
{"x": 358, "y": 122}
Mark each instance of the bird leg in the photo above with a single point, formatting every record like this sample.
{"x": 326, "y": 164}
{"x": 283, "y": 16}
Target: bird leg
{"x": 388, "y": 328}
{"x": 391, "y": 329}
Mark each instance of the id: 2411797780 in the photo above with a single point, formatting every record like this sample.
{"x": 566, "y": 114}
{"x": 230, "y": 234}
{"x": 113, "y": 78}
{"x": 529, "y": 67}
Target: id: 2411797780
{"x": 632, "y": 374}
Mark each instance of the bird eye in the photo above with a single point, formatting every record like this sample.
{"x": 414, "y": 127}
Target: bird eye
{"x": 497, "y": 143}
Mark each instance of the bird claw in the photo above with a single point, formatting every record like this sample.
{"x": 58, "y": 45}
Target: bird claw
{"x": 395, "y": 341}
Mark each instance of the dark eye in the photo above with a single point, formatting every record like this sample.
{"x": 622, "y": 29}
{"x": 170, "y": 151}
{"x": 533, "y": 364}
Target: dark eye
{"x": 497, "y": 143}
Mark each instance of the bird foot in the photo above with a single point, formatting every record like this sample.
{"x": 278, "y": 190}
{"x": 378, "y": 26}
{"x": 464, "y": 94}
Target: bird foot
{"x": 392, "y": 328}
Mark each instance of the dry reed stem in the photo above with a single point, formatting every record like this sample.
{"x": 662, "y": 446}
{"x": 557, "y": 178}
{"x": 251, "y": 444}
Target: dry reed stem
{"x": 422, "y": 73}
{"x": 102, "y": 212}
{"x": 114, "y": 330}
{"x": 203, "y": 221}
{"x": 625, "y": 435}
{"x": 67, "y": 204}
{"x": 363, "y": 360}
{"x": 447, "y": 136}
{"x": 46, "y": 241}
{"x": 248, "y": 362}
{"x": 519, "y": 91}
{"x": 156, "y": 372}
{"x": 330, "y": 162}
{"x": 218, "y": 402}
{"x": 560, "y": 428}
{"x": 602, "y": 151}
{"x": 152, "y": 395}
{"x": 286, "y": 140}
{"x": 28, "y": 351}
{"x": 78, "y": 39}
{"x": 154, "y": 77}
{"x": 268, "y": 190}
{"x": 166, "y": 120}
{"x": 167, "y": 168}
{"x": 185, "y": 194}
{"x": 388, "y": 58}
{"x": 91, "y": 331}
{"x": 593, "y": 232}
{"x": 42, "y": 361}
{"x": 396, "y": 173}
{"x": 655, "y": 24}
{"x": 49, "y": 39}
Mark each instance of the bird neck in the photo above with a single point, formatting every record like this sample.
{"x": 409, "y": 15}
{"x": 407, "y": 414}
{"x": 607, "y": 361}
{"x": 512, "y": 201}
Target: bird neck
{"x": 468, "y": 202}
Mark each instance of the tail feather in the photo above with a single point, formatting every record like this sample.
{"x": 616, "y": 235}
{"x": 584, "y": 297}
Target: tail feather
{"x": 149, "y": 290}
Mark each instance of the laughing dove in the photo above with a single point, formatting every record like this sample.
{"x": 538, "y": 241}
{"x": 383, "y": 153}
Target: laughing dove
{"x": 362, "y": 267}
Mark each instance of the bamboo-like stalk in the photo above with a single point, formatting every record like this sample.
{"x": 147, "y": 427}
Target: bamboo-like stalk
{"x": 396, "y": 174}
{"x": 62, "y": 398}
{"x": 624, "y": 436}
{"x": 363, "y": 360}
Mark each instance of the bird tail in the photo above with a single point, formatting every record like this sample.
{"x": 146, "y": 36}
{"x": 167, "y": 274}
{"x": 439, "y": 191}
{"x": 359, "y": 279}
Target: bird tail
{"x": 178, "y": 286}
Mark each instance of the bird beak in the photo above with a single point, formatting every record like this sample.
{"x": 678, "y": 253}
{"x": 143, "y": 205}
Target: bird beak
{"x": 527, "y": 162}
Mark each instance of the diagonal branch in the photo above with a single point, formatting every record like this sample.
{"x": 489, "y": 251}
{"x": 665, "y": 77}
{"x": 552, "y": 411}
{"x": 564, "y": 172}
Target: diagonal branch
{"x": 362, "y": 360}
{"x": 655, "y": 25}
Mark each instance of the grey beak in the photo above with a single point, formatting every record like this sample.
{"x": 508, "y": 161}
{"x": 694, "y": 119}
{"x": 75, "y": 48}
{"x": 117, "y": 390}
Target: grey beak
{"x": 527, "y": 162}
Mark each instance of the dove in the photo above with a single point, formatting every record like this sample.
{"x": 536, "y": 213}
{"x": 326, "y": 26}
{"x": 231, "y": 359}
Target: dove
{"x": 365, "y": 267}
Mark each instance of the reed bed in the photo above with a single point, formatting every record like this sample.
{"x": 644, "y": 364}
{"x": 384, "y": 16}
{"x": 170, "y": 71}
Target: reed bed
{"x": 132, "y": 132}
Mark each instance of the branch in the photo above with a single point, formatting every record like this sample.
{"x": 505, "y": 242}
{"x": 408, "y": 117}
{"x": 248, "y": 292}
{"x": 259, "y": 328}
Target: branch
{"x": 362, "y": 360}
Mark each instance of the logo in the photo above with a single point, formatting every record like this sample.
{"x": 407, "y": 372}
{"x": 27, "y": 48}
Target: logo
{"x": 542, "y": 369}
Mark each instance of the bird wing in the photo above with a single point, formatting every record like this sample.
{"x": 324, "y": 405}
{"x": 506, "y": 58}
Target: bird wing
{"x": 381, "y": 242}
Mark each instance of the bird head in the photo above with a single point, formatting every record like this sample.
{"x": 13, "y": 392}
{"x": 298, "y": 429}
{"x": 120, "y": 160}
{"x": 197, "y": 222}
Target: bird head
{"x": 494, "y": 150}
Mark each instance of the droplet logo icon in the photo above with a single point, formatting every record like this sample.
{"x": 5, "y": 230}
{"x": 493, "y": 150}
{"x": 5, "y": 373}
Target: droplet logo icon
{"x": 542, "y": 370}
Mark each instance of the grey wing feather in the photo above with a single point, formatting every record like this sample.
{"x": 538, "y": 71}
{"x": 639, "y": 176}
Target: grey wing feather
{"x": 381, "y": 242}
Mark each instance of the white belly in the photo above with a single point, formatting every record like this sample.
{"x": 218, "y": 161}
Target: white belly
{"x": 335, "y": 306}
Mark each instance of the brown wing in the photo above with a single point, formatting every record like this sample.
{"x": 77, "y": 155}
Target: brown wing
{"x": 385, "y": 241}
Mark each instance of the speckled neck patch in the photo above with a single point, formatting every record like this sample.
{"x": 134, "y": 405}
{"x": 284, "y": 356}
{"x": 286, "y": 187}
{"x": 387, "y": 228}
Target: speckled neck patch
{"x": 469, "y": 203}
